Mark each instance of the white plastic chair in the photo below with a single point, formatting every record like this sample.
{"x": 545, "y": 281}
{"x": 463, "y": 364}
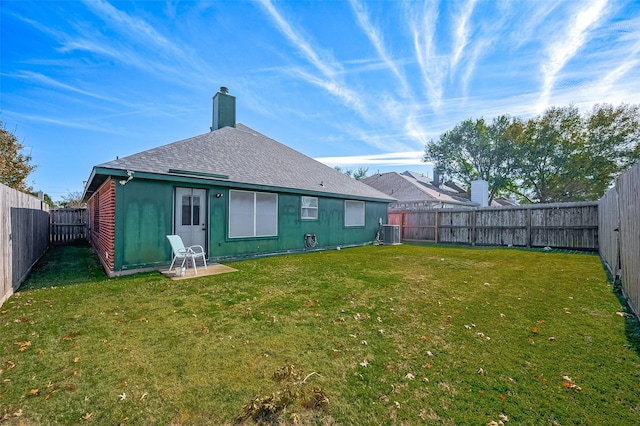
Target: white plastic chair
{"x": 186, "y": 253}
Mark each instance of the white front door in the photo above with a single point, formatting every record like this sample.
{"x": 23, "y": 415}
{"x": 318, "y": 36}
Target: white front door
{"x": 191, "y": 216}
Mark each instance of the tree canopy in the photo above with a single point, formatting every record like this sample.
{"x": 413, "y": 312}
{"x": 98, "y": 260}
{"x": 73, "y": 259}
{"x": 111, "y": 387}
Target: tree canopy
{"x": 72, "y": 200}
{"x": 474, "y": 149}
{"x": 560, "y": 155}
{"x": 15, "y": 166}
{"x": 359, "y": 174}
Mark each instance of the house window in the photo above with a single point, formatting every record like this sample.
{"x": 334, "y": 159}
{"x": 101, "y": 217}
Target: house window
{"x": 353, "y": 213}
{"x": 309, "y": 208}
{"x": 190, "y": 210}
{"x": 252, "y": 214}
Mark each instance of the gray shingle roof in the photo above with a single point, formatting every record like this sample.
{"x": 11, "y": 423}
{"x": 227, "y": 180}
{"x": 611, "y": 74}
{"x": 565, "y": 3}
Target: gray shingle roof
{"x": 406, "y": 188}
{"x": 448, "y": 187}
{"x": 246, "y": 157}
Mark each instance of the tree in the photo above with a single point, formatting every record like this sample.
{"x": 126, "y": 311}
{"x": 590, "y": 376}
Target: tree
{"x": 73, "y": 200}
{"x": 49, "y": 201}
{"x": 613, "y": 140}
{"x": 558, "y": 156}
{"x": 474, "y": 149}
{"x": 562, "y": 155}
{"x": 347, "y": 172}
{"x": 361, "y": 173}
{"x": 15, "y": 167}
{"x": 549, "y": 156}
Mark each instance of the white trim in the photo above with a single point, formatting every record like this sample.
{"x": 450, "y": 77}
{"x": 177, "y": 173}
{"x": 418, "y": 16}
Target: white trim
{"x": 308, "y": 208}
{"x": 254, "y": 214}
{"x": 357, "y": 221}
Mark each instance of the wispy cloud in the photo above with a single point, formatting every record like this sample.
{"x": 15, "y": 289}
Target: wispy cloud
{"x": 325, "y": 64}
{"x": 532, "y": 15}
{"x": 401, "y": 111}
{"x": 472, "y": 59}
{"x": 71, "y": 123}
{"x": 375, "y": 36}
{"x": 330, "y": 76}
{"x": 568, "y": 45}
{"x": 422, "y": 24}
{"x": 390, "y": 159}
{"x": 133, "y": 28}
{"x": 349, "y": 97}
{"x": 488, "y": 34}
{"x": 136, "y": 44}
{"x": 142, "y": 33}
{"x": 626, "y": 58}
{"x": 462, "y": 32}
{"x": 35, "y": 77}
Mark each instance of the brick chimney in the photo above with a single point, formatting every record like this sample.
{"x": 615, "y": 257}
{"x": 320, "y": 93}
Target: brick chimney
{"x": 224, "y": 110}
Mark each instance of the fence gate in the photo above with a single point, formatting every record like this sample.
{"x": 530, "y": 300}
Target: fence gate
{"x": 69, "y": 225}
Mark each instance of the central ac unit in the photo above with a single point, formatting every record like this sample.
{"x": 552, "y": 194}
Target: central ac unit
{"x": 390, "y": 234}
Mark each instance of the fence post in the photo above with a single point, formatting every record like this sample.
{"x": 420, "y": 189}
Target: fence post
{"x": 529, "y": 213}
{"x": 436, "y": 227}
{"x": 474, "y": 229}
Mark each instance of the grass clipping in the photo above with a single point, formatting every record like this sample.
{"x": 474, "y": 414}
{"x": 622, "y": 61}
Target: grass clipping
{"x": 293, "y": 390}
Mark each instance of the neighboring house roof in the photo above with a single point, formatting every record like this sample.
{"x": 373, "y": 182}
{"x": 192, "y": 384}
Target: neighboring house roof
{"x": 453, "y": 188}
{"x": 448, "y": 187}
{"x": 502, "y": 202}
{"x": 237, "y": 155}
{"x": 407, "y": 189}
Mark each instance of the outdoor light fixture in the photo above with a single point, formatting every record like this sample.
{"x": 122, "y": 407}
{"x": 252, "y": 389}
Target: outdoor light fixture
{"x": 218, "y": 195}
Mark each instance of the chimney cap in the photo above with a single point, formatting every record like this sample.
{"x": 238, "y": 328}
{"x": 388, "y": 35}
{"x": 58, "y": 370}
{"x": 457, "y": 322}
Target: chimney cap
{"x": 224, "y": 89}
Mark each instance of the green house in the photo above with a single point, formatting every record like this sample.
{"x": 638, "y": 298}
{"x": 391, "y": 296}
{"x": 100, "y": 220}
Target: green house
{"x": 234, "y": 191}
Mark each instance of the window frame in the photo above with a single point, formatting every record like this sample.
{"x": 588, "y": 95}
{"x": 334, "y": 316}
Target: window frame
{"x": 308, "y": 208}
{"x": 255, "y": 214}
{"x": 349, "y": 215}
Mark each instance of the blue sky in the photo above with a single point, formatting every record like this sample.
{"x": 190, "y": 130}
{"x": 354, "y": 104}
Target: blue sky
{"x": 351, "y": 83}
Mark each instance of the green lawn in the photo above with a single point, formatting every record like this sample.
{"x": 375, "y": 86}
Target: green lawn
{"x": 386, "y": 335}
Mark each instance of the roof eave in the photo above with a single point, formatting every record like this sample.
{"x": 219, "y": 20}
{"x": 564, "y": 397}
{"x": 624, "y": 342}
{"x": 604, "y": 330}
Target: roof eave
{"x": 100, "y": 174}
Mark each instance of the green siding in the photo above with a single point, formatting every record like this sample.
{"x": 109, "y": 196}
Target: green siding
{"x": 329, "y": 228}
{"x": 144, "y": 216}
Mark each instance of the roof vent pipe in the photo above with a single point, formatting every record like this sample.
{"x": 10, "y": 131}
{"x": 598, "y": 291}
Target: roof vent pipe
{"x": 224, "y": 90}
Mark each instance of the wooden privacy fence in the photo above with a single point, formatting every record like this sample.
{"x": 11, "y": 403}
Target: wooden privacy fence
{"x": 608, "y": 223}
{"x": 620, "y": 229}
{"x": 24, "y": 230}
{"x": 561, "y": 225}
{"x": 69, "y": 225}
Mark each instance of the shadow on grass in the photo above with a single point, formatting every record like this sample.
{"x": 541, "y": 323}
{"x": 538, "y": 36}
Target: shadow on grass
{"x": 631, "y": 321}
{"x": 496, "y": 247}
{"x": 64, "y": 265}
